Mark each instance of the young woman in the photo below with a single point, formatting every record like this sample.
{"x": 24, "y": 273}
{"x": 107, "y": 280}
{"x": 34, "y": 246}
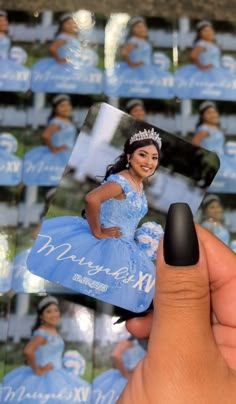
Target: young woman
{"x": 99, "y": 256}
{"x": 205, "y": 78}
{"x": 108, "y": 386}
{"x": 210, "y": 136}
{"x": 212, "y": 218}
{"x": 44, "y": 380}
{"x": 44, "y": 165}
{"x": 136, "y": 75}
{"x": 72, "y": 67}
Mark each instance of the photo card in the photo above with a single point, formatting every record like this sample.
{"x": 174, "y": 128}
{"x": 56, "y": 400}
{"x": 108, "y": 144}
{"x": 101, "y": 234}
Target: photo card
{"x": 102, "y": 230}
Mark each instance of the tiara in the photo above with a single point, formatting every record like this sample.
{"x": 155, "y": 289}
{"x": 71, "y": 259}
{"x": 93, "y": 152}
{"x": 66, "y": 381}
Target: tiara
{"x": 46, "y": 301}
{"x": 146, "y": 134}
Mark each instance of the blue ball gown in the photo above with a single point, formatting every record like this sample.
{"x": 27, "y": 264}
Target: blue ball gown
{"x": 225, "y": 179}
{"x": 219, "y": 231}
{"x": 146, "y": 81}
{"x": 10, "y": 168}
{"x": 217, "y": 83}
{"x": 108, "y": 386}
{"x": 55, "y": 387}
{"x": 79, "y": 75}
{"x": 114, "y": 270}
{"x": 13, "y": 76}
{"x": 42, "y": 166}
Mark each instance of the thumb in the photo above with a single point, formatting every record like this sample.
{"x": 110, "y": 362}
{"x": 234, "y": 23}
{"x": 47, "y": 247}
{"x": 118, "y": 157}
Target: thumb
{"x": 181, "y": 320}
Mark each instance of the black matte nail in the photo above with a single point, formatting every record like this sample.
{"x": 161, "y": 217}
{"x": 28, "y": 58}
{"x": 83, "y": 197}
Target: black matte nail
{"x": 180, "y": 239}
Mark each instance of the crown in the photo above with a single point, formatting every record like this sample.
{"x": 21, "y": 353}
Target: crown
{"x": 46, "y": 301}
{"x": 146, "y": 134}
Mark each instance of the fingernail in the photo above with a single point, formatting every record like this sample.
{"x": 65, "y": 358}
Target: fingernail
{"x": 130, "y": 315}
{"x": 180, "y": 242}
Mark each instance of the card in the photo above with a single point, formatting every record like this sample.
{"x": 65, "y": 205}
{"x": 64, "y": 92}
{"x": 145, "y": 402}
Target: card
{"x": 108, "y": 250}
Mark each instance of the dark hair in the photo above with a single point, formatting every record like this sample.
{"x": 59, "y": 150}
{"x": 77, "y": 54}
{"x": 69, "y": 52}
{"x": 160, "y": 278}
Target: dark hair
{"x": 61, "y": 23}
{"x": 131, "y": 24}
{"x": 202, "y": 111}
{"x": 200, "y": 26}
{"x": 61, "y": 98}
{"x": 121, "y": 162}
{"x": 38, "y": 321}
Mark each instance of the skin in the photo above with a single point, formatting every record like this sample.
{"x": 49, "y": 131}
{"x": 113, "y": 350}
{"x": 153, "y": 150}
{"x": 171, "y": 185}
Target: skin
{"x": 191, "y": 355}
{"x": 117, "y": 357}
{"x": 139, "y": 31}
{"x": 138, "y": 112}
{"x": 206, "y": 34}
{"x": 69, "y": 27}
{"x": 214, "y": 211}
{"x": 4, "y": 25}
{"x": 63, "y": 112}
{"x": 51, "y": 318}
{"x": 142, "y": 157}
{"x": 211, "y": 118}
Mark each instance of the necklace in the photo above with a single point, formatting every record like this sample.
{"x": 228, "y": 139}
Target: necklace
{"x": 139, "y": 188}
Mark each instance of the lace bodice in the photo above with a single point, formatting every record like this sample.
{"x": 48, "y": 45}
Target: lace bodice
{"x": 65, "y": 135}
{"x": 51, "y": 352}
{"x": 215, "y": 141}
{"x": 211, "y": 56}
{"x": 125, "y": 213}
{"x": 70, "y": 49}
{"x": 219, "y": 231}
{"x": 143, "y": 52}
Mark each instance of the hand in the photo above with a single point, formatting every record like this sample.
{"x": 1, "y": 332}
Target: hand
{"x": 108, "y": 232}
{"x": 61, "y": 61}
{"x": 206, "y": 67}
{"x": 44, "y": 369}
{"x": 135, "y": 65}
{"x": 191, "y": 355}
{"x": 59, "y": 149}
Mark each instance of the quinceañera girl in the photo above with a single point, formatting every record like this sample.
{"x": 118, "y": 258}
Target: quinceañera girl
{"x": 13, "y": 75}
{"x": 10, "y": 165}
{"x": 103, "y": 256}
{"x": 138, "y": 75}
{"x": 44, "y": 381}
{"x": 210, "y": 136}
{"x": 44, "y": 165}
{"x": 206, "y": 78}
{"x": 108, "y": 386}
{"x": 72, "y": 67}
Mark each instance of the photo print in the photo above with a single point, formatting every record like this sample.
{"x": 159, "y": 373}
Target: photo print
{"x": 101, "y": 233}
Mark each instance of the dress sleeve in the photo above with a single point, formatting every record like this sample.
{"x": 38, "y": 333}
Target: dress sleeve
{"x": 203, "y": 44}
{"x": 122, "y": 181}
{"x": 41, "y": 333}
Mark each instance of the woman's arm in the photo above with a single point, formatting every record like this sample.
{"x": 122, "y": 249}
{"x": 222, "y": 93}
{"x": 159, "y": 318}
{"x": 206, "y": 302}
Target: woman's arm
{"x": 47, "y": 134}
{"x": 93, "y": 202}
{"x": 29, "y": 352}
{"x": 117, "y": 356}
{"x": 195, "y": 58}
{"x": 54, "y": 50}
{"x": 125, "y": 51}
{"x": 197, "y": 139}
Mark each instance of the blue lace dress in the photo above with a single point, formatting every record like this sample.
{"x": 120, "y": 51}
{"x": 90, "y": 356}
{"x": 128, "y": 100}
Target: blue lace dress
{"x": 108, "y": 386}
{"x": 146, "y": 81}
{"x": 217, "y": 83}
{"x": 219, "y": 231}
{"x": 41, "y": 165}
{"x": 225, "y": 180}
{"x": 114, "y": 270}
{"x": 79, "y": 75}
{"x": 13, "y": 76}
{"x": 58, "y": 386}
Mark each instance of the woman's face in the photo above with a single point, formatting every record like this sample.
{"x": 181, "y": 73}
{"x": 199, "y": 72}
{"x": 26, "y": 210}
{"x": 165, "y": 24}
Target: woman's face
{"x": 214, "y": 210}
{"x": 211, "y": 116}
{"x": 144, "y": 161}
{"x": 51, "y": 315}
{"x": 69, "y": 26}
{"x": 207, "y": 34}
{"x": 140, "y": 30}
{"x": 3, "y": 24}
{"x": 138, "y": 112}
{"x": 64, "y": 109}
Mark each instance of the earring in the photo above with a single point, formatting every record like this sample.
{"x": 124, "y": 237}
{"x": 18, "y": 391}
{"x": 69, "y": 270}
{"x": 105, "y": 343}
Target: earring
{"x": 127, "y": 165}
